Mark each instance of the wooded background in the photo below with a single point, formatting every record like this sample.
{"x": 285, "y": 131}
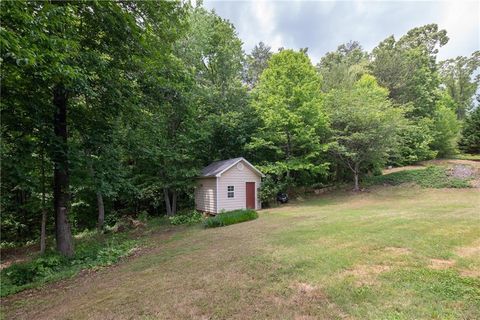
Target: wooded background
{"x": 110, "y": 109}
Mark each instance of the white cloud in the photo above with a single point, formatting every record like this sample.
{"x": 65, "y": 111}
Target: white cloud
{"x": 323, "y": 25}
{"x": 462, "y": 22}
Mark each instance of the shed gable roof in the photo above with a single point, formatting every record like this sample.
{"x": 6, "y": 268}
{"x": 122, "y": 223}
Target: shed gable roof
{"x": 215, "y": 169}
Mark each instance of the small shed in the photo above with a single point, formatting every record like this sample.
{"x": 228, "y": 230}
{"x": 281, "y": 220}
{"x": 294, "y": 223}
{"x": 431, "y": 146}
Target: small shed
{"x": 228, "y": 185}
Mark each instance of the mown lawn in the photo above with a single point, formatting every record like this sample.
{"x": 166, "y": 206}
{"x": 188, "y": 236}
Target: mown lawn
{"x": 397, "y": 252}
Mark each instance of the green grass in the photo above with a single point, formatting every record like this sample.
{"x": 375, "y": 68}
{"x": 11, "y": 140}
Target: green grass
{"x": 230, "y": 217}
{"x": 431, "y": 177}
{"x": 396, "y": 252}
{"x": 466, "y": 156}
{"x": 92, "y": 250}
{"x": 95, "y": 250}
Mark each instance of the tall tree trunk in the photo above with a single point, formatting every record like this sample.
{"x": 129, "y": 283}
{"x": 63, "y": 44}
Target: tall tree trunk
{"x": 100, "y": 206}
{"x": 63, "y": 234}
{"x": 174, "y": 202}
{"x": 101, "y": 211}
{"x": 167, "y": 201}
{"x": 43, "y": 231}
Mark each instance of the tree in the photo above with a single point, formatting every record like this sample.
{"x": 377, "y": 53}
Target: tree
{"x": 256, "y": 62}
{"x": 58, "y": 50}
{"x": 408, "y": 69}
{"x": 445, "y": 127}
{"x": 212, "y": 49}
{"x": 343, "y": 67}
{"x": 364, "y": 125}
{"x": 470, "y": 140}
{"x": 287, "y": 99}
{"x": 415, "y": 138}
{"x": 461, "y": 83}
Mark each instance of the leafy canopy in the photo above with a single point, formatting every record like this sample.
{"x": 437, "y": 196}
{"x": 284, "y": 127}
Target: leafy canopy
{"x": 293, "y": 125}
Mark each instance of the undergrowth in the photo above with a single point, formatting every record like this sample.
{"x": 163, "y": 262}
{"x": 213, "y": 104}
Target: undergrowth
{"x": 431, "y": 177}
{"x": 188, "y": 217}
{"x": 95, "y": 250}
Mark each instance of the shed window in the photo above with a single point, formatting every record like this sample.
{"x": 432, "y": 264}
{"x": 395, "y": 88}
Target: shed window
{"x": 231, "y": 191}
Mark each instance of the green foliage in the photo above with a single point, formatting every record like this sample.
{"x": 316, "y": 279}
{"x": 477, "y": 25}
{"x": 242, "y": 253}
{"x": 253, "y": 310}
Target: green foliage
{"x": 271, "y": 186}
{"x": 461, "y": 81}
{"x": 95, "y": 251}
{"x": 364, "y": 125}
{"x": 155, "y": 90}
{"x": 213, "y": 52}
{"x": 189, "y": 217}
{"x": 342, "y": 68}
{"x": 446, "y": 128}
{"x": 287, "y": 99}
{"x": 470, "y": 140}
{"x": 431, "y": 177}
{"x": 256, "y": 62}
{"x": 230, "y": 217}
{"x": 407, "y": 68}
{"x": 415, "y": 138}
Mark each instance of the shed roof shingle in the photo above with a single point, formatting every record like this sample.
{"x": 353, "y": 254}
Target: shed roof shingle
{"x": 216, "y": 167}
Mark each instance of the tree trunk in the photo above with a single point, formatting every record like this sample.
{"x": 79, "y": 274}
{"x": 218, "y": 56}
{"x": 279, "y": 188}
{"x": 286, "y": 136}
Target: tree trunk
{"x": 63, "y": 234}
{"x": 174, "y": 202}
{"x": 355, "y": 177}
{"x": 100, "y": 205}
{"x": 43, "y": 230}
{"x": 356, "y": 188}
{"x": 167, "y": 201}
{"x": 101, "y": 211}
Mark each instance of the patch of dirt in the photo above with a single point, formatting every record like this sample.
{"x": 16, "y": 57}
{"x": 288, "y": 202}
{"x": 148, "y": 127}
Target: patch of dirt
{"x": 15, "y": 255}
{"x": 303, "y": 317}
{"x": 366, "y": 274}
{"x": 451, "y": 162}
{"x": 470, "y": 273}
{"x": 441, "y": 264}
{"x": 469, "y": 251}
{"x": 399, "y": 251}
{"x": 305, "y": 295}
{"x": 397, "y": 169}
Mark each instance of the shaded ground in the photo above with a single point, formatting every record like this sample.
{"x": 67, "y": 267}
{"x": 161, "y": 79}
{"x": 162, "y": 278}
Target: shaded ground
{"x": 392, "y": 253}
{"x": 464, "y": 169}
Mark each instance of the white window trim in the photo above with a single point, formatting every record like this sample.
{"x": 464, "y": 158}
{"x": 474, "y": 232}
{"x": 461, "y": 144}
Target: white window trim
{"x": 231, "y": 192}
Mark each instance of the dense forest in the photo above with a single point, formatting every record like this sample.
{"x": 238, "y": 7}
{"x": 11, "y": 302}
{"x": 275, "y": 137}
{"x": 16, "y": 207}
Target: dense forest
{"x": 110, "y": 109}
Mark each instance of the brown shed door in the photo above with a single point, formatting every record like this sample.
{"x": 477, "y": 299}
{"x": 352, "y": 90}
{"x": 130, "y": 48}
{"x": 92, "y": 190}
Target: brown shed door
{"x": 250, "y": 191}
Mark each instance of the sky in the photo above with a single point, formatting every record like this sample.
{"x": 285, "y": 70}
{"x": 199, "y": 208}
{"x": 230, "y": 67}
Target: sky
{"x": 323, "y": 25}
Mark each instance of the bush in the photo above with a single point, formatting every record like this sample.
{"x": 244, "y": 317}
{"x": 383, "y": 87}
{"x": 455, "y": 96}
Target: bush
{"x": 94, "y": 251}
{"x": 188, "y": 217}
{"x": 431, "y": 177}
{"x": 414, "y": 143}
{"x": 272, "y": 185}
{"x": 230, "y": 217}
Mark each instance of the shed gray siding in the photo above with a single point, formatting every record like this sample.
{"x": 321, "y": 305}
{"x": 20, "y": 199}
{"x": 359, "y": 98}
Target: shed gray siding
{"x": 206, "y": 195}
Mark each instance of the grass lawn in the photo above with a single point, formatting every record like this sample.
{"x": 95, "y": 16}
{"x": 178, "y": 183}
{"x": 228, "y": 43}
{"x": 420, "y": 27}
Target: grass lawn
{"x": 398, "y": 252}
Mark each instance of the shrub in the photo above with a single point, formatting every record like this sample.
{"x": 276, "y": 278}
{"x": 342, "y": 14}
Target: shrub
{"x": 230, "y": 217}
{"x": 93, "y": 251}
{"x": 431, "y": 177}
{"x": 189, "y": 217}
{"x": 414, "y": 143}
{"x": 271, "y": 185}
